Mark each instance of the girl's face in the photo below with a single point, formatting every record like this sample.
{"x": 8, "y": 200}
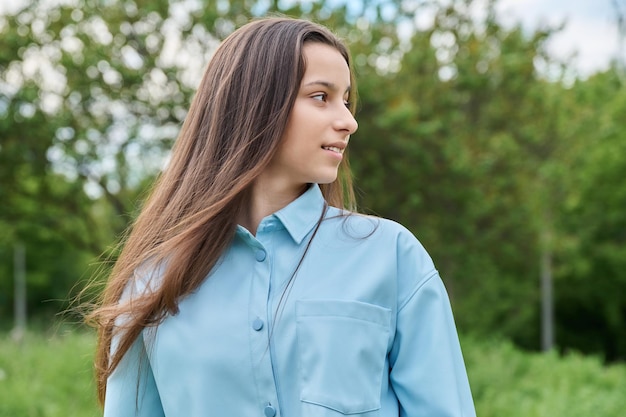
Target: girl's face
{"x": 319, "y": 125}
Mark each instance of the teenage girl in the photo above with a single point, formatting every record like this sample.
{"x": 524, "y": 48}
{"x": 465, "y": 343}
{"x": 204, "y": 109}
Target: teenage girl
{"x": 249, "y": 286}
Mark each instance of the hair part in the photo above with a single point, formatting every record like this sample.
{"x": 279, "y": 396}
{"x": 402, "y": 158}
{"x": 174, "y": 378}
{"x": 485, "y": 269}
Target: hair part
{"x": 233, "y": 128}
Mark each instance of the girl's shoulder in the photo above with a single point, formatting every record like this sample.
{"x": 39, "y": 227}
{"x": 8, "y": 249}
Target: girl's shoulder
{"x": 380, "y": 229}
{"x": 389, "y": 244}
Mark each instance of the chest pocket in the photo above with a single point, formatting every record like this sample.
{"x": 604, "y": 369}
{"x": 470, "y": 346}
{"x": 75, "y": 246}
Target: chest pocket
{"x": 342, "y": 348}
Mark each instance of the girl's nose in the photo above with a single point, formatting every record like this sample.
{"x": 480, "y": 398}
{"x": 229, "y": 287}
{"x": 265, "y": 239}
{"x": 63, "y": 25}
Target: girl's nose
{"x": 346, "y": 121}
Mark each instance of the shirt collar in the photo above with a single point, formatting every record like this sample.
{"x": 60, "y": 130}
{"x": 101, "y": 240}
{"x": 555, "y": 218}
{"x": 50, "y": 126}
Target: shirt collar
{"x": 300, "y": 216}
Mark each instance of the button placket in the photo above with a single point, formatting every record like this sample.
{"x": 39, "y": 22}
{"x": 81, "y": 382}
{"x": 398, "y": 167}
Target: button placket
{"x": 258, "y": 313}
{"x": 259, "y": 293}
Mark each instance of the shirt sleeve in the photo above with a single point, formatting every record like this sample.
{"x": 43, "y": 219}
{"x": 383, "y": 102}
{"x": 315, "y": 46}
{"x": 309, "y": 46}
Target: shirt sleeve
{"x": 427, "y": 369}
{"x": 131, "y": 390}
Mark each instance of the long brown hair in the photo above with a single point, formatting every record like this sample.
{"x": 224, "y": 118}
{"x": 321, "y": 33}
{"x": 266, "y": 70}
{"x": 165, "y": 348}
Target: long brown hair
{"x": 233, "y": 128}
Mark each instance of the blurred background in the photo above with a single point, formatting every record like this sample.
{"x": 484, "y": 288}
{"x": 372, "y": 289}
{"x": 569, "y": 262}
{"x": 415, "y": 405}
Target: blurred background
{"x": 494, "y": 130}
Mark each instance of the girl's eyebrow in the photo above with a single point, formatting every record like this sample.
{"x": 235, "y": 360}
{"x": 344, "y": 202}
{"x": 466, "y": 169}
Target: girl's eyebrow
{"x": 331, "y": 86}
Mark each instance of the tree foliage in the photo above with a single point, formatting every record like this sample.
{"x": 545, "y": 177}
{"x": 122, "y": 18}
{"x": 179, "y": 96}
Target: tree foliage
{"x": 493, "y": 164}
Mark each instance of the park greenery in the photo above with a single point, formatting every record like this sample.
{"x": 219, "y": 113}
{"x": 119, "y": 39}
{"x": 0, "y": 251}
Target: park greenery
{"x": 505, "y": 163}
{"x": 49, "y": 376}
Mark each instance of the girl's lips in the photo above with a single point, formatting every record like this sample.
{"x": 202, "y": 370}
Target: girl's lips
{"x": 334, "y": 152}
{"x": 334, "y": 149}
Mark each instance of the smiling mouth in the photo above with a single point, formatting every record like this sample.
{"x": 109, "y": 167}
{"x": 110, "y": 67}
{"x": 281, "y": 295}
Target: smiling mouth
{"x": 333, "y": 149}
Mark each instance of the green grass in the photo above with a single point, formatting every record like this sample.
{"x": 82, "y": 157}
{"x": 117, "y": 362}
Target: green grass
{"x": 508, "y": 382}
{"x": 47, "y": 375}
{"x": 50, "y": 374}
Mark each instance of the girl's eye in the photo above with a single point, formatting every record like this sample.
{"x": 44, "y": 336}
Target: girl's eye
{"x": 347, "y": 104}
{"x": 320, "y": 97}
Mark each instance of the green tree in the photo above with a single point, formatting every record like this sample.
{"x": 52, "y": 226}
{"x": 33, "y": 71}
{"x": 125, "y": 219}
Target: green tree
{"x": 452, "y": 149}
{"x": 591, "y": 281}
{"x": 494, "y": 167}
{"x": 91, "y": 98}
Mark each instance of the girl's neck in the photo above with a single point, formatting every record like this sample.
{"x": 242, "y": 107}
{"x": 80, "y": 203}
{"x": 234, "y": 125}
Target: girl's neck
{"x": 268, "y": 197}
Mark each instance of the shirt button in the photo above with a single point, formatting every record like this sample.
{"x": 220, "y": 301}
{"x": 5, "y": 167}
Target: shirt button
{"x": 269, "y": 411}
{"x": 257, "y": 324}
{"x": 260, "y": 255}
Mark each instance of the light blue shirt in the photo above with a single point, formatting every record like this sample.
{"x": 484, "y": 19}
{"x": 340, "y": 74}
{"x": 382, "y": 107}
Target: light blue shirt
{"x": 364, "y": 329}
